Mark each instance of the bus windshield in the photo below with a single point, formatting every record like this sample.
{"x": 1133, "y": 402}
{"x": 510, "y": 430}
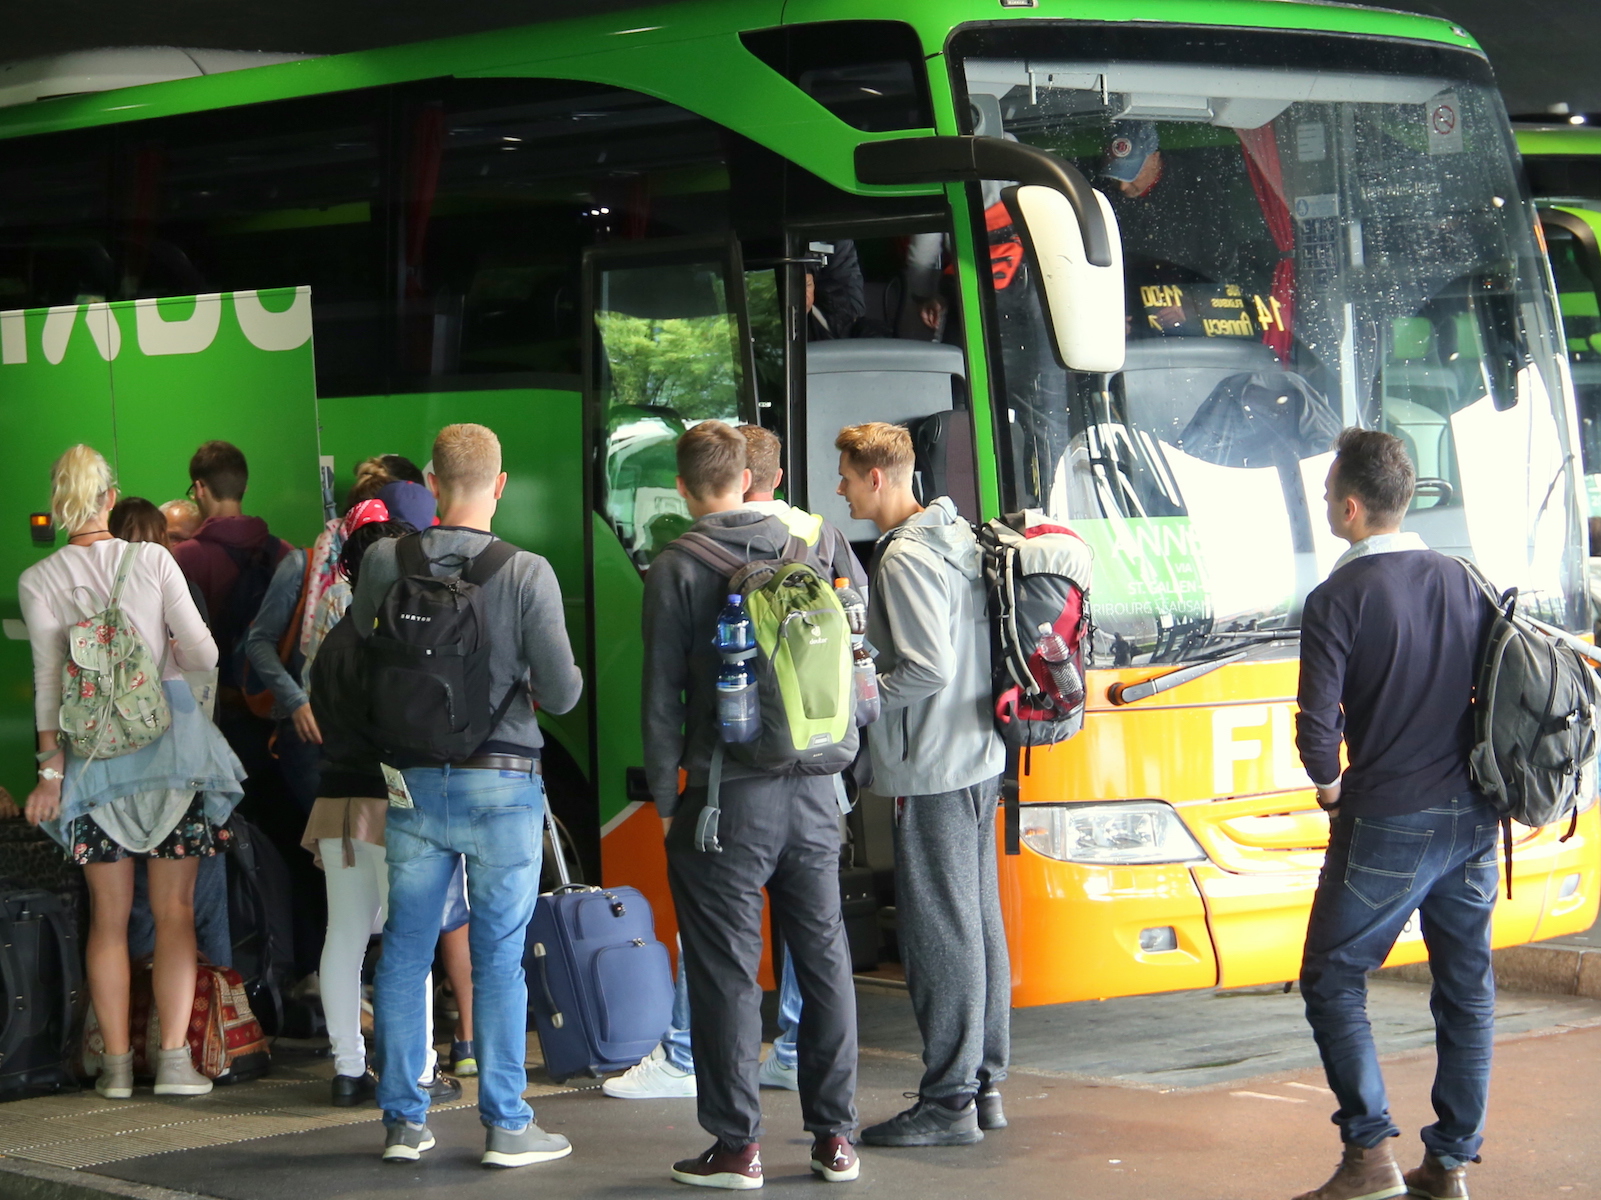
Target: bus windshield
{"x": 1306, "y": 248}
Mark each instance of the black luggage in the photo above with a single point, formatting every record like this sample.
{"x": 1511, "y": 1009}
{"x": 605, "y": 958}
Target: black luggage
{"x": 600, "y": 986}
{"x": 259, "y": 921}
{"x": 42, "y": 974}
{"x": 858, "y": 906}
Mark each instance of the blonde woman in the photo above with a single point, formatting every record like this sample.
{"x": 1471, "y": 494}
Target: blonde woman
{"x": 165, "y": 801}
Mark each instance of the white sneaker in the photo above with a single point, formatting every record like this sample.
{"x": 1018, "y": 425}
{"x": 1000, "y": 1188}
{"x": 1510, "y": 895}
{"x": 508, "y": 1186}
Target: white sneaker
{"x": 652, "y": 1078}
{"x": 775, "y": 1074}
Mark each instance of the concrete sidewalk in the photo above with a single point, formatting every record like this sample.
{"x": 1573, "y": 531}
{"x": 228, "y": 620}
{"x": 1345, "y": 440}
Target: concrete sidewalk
{"x": 1195, "y": 1095}
{"x": 1564, "y": 966}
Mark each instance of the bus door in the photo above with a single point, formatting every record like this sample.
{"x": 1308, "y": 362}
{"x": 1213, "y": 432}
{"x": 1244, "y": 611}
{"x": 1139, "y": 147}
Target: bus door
{"x": 1571, "y": 244}
{"x": 667, "y": 346}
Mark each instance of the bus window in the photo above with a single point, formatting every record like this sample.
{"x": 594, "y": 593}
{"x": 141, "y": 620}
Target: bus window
{"x": 1576, "y": 266}
{"x": 666, "y": 342}
{"x": 882, "y": 343}
{"x": 507, "y": 183}
{"x": 55, "y": 243}
{"x": 274, "y": 195}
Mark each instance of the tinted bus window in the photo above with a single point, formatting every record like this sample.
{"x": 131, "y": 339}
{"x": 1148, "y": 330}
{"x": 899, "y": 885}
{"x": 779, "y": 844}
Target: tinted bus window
{"x": 869, "y": 74}
{"x": 55, "y": 236}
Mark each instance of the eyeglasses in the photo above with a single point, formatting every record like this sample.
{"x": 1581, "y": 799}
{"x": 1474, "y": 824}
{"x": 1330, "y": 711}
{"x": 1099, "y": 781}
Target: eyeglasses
{"x": 190, "y": 491}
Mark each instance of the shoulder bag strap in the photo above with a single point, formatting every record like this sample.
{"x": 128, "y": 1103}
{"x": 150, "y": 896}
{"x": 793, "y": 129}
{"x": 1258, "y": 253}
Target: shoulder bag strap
{"x": 122, "y": 574}
{"x": 286, "y": 644}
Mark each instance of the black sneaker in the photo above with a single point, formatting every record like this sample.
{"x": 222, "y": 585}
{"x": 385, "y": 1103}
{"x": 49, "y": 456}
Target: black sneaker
{"x": 990, "y": 1113}
{"x": 406, "y": 1142}
{"x": 927, "y": 1123}
{"x": 351, "y": 1090}
{"x": 442, "y": 1089}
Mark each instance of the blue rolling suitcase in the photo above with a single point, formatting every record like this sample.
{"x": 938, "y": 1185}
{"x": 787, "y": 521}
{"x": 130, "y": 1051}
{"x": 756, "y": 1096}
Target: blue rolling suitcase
{"x": 600, "y": 986}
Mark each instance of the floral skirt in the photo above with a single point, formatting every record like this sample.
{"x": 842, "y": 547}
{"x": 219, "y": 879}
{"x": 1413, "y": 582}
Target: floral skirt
{"x": 192, "y": 837}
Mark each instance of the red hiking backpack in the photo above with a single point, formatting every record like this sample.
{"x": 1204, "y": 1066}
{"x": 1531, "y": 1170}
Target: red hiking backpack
{"x": 1036, "y": 573}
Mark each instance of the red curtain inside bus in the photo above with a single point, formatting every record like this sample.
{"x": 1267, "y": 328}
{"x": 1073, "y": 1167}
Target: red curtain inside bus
{"x": 1267, "y": 179}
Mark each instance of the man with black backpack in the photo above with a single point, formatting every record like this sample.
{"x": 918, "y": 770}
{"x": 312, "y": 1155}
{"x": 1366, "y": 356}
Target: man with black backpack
{"x": 750, "y": 818}
{"x": 464, "y": 635}
{"x": 936, "y": 751}
{"x": 1390, "y": 646}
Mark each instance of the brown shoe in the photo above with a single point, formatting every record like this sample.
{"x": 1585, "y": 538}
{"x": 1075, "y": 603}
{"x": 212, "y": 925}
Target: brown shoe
{"x": 834, "y": 1158}
{"x": 1363, "y": 1175}
{"x": 1434, "y": 1181}
{"x": 737, "y": 1170}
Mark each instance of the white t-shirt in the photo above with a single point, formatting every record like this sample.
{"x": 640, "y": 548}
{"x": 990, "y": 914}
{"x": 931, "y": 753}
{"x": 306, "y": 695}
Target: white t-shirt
{"x": 75, "y": 582}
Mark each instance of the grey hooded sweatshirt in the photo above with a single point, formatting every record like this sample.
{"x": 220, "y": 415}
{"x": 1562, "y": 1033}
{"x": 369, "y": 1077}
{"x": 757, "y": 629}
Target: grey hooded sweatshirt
{"x": 926, "y": 619}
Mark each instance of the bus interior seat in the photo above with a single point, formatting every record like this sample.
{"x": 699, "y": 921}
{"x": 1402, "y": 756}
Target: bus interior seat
{"x": 1165, "y": 380}
{"x": 943, "y": 442}
{"x": 1413, "y": 371}
{"x": 870, "y": 379}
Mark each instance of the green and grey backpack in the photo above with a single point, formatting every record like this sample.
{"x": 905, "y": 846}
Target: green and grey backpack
{"x": 1536, "y": 704}
{"x": 112, "y": 702}
{"x": 802, "y": 666}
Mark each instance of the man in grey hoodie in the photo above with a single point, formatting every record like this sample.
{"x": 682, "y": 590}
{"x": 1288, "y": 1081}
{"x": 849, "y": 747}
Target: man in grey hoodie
{"x": 934, "y": 748}
{"x": 778, "y": 832}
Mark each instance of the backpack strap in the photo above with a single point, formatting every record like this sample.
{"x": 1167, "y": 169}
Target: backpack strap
{"x": 706, "y": 823}
{"x": 410, "y": 558}
{"x": 123, "y": 567}
{"x": 710, "y": 551}
{"x": 488, "y": 561}
{"x": 291, "y": 635}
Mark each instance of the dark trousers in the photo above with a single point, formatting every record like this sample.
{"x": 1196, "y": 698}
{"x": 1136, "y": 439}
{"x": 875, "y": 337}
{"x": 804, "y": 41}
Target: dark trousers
{"x": 782, "y": 834}
{"x": 1441, "y": 863}
{"x": 953, "y": 943}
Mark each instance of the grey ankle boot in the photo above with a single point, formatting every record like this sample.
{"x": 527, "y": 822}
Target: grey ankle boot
{"x": 176, "y": 1074}
{"x": 115, "y": 1081}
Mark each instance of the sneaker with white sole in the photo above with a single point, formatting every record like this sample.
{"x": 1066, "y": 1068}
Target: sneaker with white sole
{"x": 834, "y": 1158}
{"x": 176, "y": 1074}
{"x": 774, "y": 1074}
{"x": 652, "y": 1078}
{"x": 734, "y": 1170}
{"x": 405, "y": 1142}
{"x": 524, "y": 1148}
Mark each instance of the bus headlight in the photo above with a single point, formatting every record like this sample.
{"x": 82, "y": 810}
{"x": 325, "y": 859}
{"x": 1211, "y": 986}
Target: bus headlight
{"x": 1136, "y": 831}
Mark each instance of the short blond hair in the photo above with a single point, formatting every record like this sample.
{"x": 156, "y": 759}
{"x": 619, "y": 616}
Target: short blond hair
{"x": 762, "y": 450}
{"x": 80, "y": 481}
{"x": 466, "y": 458}
{"x": 878, "y": 444}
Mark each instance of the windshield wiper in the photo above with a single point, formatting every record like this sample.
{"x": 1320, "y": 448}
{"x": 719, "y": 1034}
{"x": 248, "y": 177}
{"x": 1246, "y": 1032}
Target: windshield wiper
{"x": 1128, "y": 693}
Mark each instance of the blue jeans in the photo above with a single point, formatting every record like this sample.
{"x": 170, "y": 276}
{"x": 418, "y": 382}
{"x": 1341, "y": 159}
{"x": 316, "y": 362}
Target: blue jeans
{"x": 212, "y": 935}
{"x": 495, "y": 819}
{"x": 1441, "y": 863}
{"x": 676, "y": 1040}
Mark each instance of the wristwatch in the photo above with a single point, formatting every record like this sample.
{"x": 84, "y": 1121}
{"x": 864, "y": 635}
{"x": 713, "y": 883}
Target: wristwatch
{"x": 50, "y": 773}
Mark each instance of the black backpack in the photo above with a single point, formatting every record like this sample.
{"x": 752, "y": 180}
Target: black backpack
{"x": 41, "y": 976}
{"x": 256, "y": 568}
{"x": 427, "y": 659}
{"x": 259, "y": 903}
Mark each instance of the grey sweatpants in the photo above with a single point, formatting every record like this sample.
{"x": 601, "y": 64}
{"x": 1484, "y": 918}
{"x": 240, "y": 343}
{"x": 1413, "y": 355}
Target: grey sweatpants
{"x": 780, "y": 833}
{"x": 953, "y": 944}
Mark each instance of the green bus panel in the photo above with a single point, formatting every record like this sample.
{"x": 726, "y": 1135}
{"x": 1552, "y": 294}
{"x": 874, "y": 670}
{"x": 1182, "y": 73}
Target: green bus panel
{"x": 145, "y": 382}
{"x": 541, "y": 439}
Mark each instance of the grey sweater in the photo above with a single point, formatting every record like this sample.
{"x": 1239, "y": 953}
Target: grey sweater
{"x": 524, "y": 601}
{"x": 925, "y": 617}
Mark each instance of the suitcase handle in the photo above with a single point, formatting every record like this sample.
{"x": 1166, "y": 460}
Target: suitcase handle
{"x": 564, "y": 879}
{"x": 557, "y": 1019}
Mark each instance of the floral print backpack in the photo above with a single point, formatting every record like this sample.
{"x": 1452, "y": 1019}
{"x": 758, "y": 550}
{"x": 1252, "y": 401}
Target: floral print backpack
{"x": 111, "y": 697}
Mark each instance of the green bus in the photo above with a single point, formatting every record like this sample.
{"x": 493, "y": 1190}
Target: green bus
{"x": 1563, "y": 162}
{"x": 591, "y": 234}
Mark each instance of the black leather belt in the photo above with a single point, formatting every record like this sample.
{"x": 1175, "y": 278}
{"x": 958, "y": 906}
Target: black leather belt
{"x": 500, "y": 762}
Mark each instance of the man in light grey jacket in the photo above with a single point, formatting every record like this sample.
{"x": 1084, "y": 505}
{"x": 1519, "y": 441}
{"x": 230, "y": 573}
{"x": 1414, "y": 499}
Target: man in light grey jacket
{"x": 936, "y": 751}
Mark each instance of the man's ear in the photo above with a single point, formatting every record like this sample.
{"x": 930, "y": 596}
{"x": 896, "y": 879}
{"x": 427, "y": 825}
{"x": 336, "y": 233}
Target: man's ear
{"x": 744, "y": 481}
{"x": 876, "y": 479}
{"x": 432, "y": 481}
{"x": 678, "y": 482}
{"x": 778, "y": 479}
{"x": 500, "y": 484}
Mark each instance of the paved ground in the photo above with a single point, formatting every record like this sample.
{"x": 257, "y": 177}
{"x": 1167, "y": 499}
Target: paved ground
{"x": 1199, "y": 1096}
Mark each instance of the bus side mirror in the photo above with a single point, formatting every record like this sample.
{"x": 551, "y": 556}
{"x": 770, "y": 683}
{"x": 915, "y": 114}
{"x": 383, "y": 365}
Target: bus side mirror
{"x": 1083, "y": 299}
{"x": 1067, "y": 225}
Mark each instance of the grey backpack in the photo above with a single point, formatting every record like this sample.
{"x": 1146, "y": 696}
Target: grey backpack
{"x": 1535, "y": 712}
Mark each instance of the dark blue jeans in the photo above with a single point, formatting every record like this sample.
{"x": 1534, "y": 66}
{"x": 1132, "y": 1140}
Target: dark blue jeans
{"x": 1441, "y": 863}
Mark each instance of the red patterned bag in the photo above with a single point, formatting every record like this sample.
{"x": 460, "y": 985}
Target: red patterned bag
{"x": 225, "y": 1039}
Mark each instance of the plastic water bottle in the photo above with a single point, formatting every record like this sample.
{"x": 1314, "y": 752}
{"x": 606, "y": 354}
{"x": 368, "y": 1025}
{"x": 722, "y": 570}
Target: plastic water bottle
{"x": 863, "y": 673}
{"x": 739, "y": 714}
{"x": 1058, "y": 658}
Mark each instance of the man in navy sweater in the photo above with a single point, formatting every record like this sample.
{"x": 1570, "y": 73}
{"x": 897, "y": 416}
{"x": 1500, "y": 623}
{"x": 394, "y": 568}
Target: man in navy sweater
{"x": 1390, "y": 645}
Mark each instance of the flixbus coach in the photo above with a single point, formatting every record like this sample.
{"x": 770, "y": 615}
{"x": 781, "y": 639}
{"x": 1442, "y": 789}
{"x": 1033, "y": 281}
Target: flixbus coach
{"x": 1236, "y": 227}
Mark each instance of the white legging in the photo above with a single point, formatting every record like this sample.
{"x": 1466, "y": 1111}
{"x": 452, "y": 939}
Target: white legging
{"x": 358, "y": 902}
